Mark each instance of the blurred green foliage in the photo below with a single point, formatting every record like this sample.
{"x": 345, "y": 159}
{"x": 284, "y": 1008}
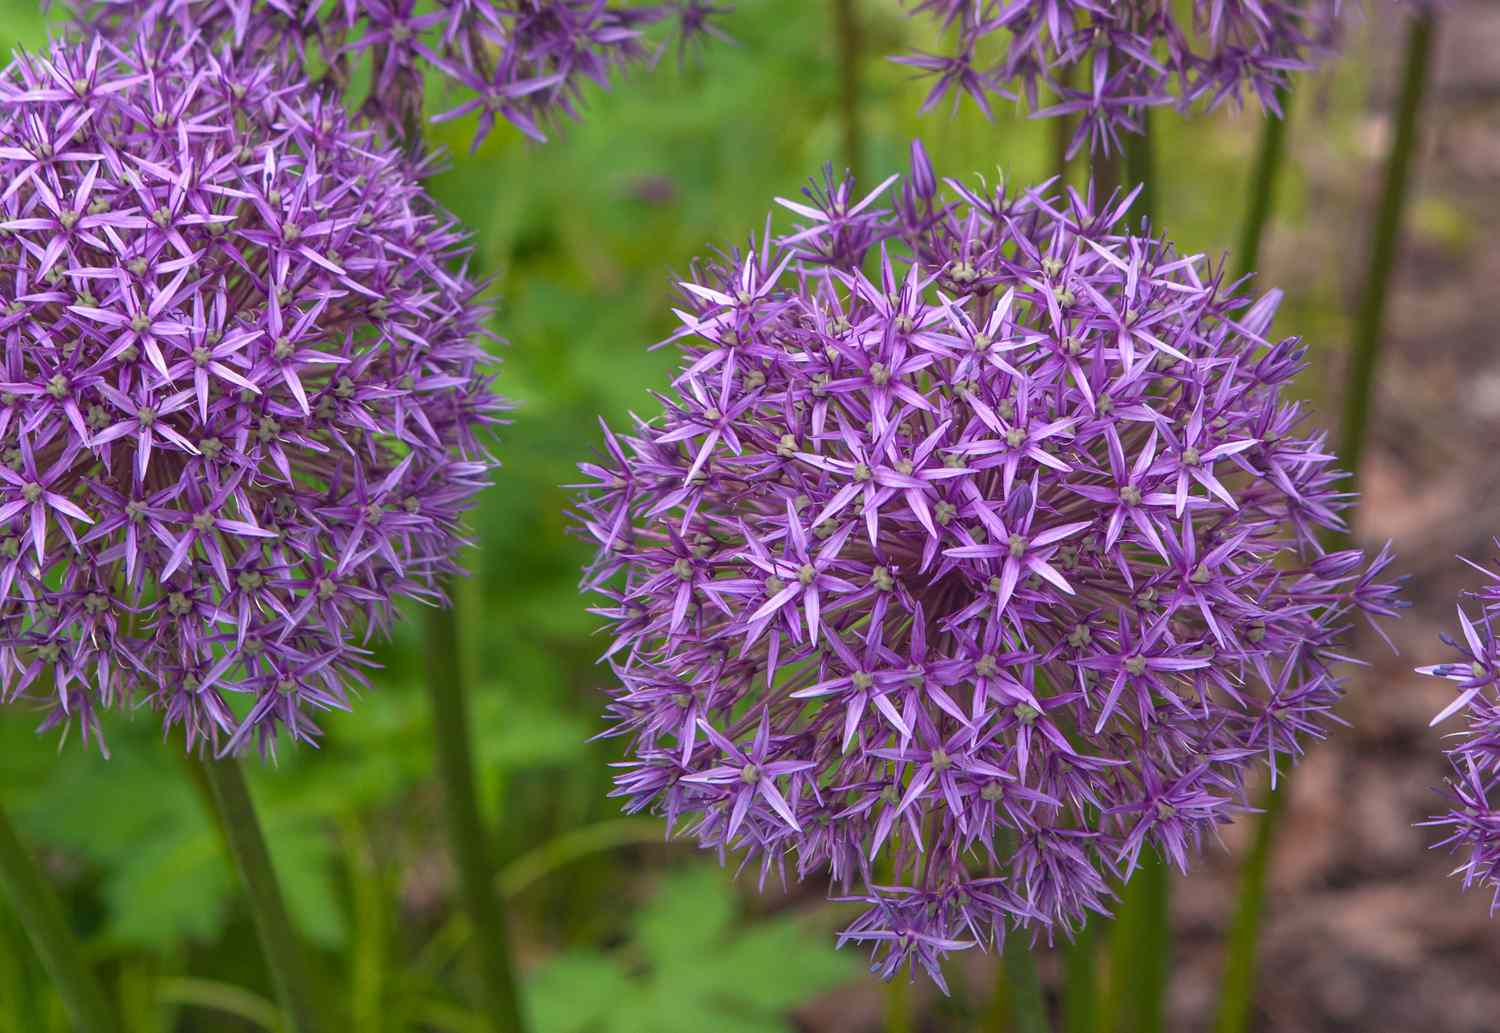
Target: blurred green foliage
{"x": 580, "y": 238}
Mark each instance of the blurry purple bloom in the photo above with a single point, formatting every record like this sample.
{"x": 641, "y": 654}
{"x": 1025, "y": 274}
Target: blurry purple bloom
{"x": 240, "y": 393}
{"x": 967, "y": 522}
{"x": 523, "y": 61}
{"x": 1109, "y": 62}
{"x": 1473, "y": 821}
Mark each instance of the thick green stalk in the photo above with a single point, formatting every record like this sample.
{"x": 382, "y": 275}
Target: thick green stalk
{"x": 1371, "y": 317}
{"x": 41, "y": 915}
{"x": 1141, "y": 950}
{"x": 1142, "y": 942}
{"x": 283, "y": 950}
{"x": 1104, "y": 173}
{"x": 1263, "y": 181}
{"x": 1062, "y": 133}
{"x": 898, "y": 1017}
{"x": 1238, "y": 986}
{"x": 1140, "y": 170}
{"x": 467, "y": 838}
{"x": 846, "y": 35}
{"x": 1238, "y": 991}
{"x": 1023, "y": 986}
{"x": 1080, "y": 995}
{"x": 1019, "y": 1005}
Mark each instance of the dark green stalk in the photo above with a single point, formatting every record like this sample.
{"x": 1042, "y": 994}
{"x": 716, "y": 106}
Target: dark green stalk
{"x": 1019, "y": 1005}
{"x": 1238, "y": 987}
{"x": 846, "y": 35}
{"x": 1140, "y": 170}
{"x": 1141, "y": 950}
{"x": 1238, "y": 991}
{"x": 1263, "y": 181}
{"x": 1062, "y": 134}
{"x": 1022, "y": 986}
{"x": 898, "y": 1004}
{"x": 282, "y": 948}
{"x": 467, "y": 838}
{"x": 1105, "y": 175}
{"x": 1371, "y": 317}
{"x": 1080, "y": 996}
{"x": 1142, "y": 942}
{"x": 41, "y": 915}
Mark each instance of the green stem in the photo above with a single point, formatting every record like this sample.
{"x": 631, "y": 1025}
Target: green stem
{"x": 283, "y": 950}
{"x": 1263, "y": 181}
{"x": 1371, "y": 317}
{"x": 1062, "y": 133}
{"x": 466, "y": 833}
{"x": 1237, "y": 993}
{"x": 1140, "y": 170}
{"x": 1141, "y": 951}
{"x": 898, "y": 1004}
{"x": 846, "y": 35}
{"x": 1105, "y": 175}
{"x": 41, "y": 915}
{"x": 1022, "y": 986}
{"x": 1080, "y": 998}
{"x": 1142, "y": 943}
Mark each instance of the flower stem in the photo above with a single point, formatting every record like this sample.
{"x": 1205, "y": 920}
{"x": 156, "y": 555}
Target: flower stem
{"x": 466, "y": 833}
{"x": 1142, "y": 943}
{"x": 1023, "y": 987}
{"x": 846, "y": 34}
{"x": 1237, "y": 991}
{"x": 1367, "y": 335}
{"x": 1140, "y": 169}
{"x": 898, "y": 1004}
{"x": 41, "y": 915}
{"x": 1080, "y": 998}
{"x": 1141, "y": 950}
{"x": 283, "y": 950}
{"x": 1263, "y": 182}
{"x": 1062, "y": 133}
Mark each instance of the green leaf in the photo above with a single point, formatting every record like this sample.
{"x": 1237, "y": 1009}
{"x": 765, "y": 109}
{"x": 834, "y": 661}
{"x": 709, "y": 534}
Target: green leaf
{"x": 688, "y": 916}
{"x": 575, "y": 992}
{"x": 692, "y": 967}
{"x": 780, "y": 963}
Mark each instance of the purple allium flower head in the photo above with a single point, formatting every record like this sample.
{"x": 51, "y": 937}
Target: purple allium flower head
{"x": 1108, "y": 62}
{"x": 240, "y": 395}
{"x": 968, "y": 521}
{"x": 1472, "y": 821}
{"x": 520, "y": 60}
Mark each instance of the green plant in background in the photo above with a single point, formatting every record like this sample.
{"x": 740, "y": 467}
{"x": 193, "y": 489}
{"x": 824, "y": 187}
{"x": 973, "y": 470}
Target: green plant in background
{"x": 689, "y": 964}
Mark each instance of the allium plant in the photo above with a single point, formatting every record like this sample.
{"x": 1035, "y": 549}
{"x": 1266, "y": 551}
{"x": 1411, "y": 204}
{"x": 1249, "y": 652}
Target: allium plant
{"x": 1109, "y": 62}
{"x": 241, "y": 394}
{"x": 1472, "y": 821}
{"x": 972, "y": 554}
{"x": 523, "y": 61}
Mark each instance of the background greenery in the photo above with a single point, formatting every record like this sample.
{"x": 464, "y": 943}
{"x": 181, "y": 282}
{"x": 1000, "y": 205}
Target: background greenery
{"x": 618, "y": 933}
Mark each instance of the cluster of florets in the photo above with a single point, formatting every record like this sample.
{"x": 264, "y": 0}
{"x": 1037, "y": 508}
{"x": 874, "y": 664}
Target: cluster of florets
{"x": 240, "y": 392}
{"x": 520, "y": 60}
{"x": 1109, "y": 62}
{"x": 970, "y": 580}
{"x": 1472, "y": 821}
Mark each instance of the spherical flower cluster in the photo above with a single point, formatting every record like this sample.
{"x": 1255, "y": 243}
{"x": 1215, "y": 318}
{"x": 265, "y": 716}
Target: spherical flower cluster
{"x": 968, "y": 580}
{"x": 520, "y": 60}
{"x": 1472, "y": 822}
{"x": 240, "y": 394}
{"x": 1109, "y": 62}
